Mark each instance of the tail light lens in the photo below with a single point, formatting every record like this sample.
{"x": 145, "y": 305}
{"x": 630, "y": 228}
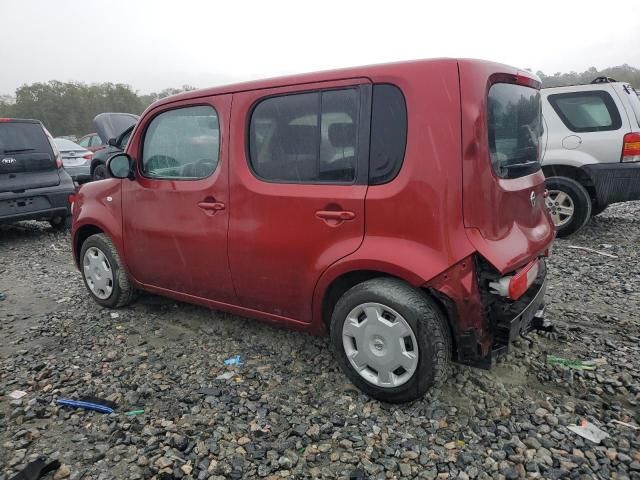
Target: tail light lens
{"x": 88, "y": 156}
{"x": 514, "y": 286}
{"x": 631, "y": 147}
{"x": 58, "y": 161}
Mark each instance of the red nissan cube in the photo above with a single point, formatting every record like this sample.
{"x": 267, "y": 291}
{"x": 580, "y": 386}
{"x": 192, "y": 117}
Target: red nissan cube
{"x": 397, "y": 208}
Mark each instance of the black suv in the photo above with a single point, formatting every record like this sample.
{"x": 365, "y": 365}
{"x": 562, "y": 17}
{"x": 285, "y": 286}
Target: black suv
{"x": 33, "y": 184}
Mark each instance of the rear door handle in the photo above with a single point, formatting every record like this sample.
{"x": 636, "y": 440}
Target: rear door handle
{"x": 211, "y": 206}
{"x": 340, "y": 216}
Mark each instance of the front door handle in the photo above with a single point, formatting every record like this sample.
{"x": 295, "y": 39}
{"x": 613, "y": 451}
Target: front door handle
{"x": 211, "y": 207}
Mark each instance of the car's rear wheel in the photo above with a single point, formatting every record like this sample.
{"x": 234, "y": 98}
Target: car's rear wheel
{"x": 100, "y": 172}
{"x": 103, "y": 272}
{"x": 60, "y": 222}
{"x": 390, "y": 339}
{"x": 569, "y": 204}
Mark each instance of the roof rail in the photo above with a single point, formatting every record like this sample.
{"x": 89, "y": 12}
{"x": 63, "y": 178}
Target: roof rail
{"x": 604, "y": 80}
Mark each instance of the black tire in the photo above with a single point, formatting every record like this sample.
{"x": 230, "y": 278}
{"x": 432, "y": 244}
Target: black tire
{"x": 61, "y": 223}
{"x": 427, "y": 322}
{"x": 597, "y": 209}
{"x": 100, "y": 172}
{"x": 123, "y": 292}
{"x": 581, "y": 204}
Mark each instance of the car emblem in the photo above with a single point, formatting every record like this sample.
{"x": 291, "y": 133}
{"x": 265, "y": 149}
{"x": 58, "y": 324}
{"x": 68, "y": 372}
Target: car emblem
{"x": 532, "y": 199}
{"x": 8, "y": 161}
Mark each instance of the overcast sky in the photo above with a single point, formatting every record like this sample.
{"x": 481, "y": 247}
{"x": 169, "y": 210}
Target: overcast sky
{"x": 152, "y": 45}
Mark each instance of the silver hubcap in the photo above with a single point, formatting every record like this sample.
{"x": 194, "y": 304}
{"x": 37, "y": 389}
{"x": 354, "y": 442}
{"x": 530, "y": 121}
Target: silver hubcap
{"x": 380, "y": 345}
{"x": 98, "y": 273}
{"x": 561, "y": 207}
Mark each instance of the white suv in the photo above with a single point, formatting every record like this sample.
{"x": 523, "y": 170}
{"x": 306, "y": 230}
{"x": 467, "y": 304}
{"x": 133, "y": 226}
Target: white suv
{"x": 591, "y": 155}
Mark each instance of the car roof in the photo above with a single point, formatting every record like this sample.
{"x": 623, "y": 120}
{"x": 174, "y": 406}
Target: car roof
{"x": 340, "y": 74}
{"x": 19, "y": 120}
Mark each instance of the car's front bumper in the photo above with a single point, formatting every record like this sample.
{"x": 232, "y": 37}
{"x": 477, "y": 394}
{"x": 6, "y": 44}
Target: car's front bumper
{"x": 615, "y": 182}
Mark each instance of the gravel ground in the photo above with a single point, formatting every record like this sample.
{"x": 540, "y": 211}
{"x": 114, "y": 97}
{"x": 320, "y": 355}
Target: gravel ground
{"x": 288, "y": 411}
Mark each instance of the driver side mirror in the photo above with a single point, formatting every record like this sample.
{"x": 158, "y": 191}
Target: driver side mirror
{"x": 120, "y": 165}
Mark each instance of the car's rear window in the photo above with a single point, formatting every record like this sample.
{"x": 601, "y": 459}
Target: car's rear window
{"x": 515, "y": 128}
{"x": 22, "y": 137}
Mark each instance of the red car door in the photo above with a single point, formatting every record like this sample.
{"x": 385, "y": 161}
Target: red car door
{"x": 298, "y": 184}
{"x": 176, "y": 210}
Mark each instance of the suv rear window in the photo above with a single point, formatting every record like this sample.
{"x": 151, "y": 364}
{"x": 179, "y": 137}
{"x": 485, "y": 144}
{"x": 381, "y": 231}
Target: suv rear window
{"x": 590, "y": 111}
{"x": 21, "y": 137}
{"x": 515, "y": 128}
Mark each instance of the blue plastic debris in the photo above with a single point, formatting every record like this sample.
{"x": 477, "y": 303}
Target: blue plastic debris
{"x": 68, "y": 402}
{"x": 237, "y": 360}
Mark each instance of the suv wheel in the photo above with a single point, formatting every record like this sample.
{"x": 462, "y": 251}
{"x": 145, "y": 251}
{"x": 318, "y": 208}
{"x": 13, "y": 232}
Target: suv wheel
{"x": 61, "y": 223}
{"x": 100, "y": 172}
{"x": 103, "y": 273}
{"x": 391, "y": 340}
{"x": 569, "y": 204}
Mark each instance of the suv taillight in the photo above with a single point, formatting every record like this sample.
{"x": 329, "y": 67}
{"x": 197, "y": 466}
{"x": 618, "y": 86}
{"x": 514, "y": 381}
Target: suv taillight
{"x": 631, "y": 147}
{"x": 58, "y": 161}
{"x": 514, "y": 286}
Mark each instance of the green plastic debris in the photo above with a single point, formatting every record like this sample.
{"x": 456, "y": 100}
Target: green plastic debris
{"x": 134, "y": 412}
{"x": 575, "y": 364}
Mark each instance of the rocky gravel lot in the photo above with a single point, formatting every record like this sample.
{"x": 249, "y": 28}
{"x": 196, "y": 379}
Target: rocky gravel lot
{"x": 288, "y": 412}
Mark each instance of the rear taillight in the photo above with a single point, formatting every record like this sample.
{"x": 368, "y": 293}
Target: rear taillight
{"x": 58, "y": 161}
{"x": 631, "y": 147}
{"x": 514, "y": 286}
{"x": 88, "y": 156}
{"x": 2, "y": 120}
{"x": 72, "y": 200}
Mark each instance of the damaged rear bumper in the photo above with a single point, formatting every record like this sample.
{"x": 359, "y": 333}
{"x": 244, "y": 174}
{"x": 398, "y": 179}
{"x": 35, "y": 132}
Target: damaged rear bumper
{"x": 510, "y": 320}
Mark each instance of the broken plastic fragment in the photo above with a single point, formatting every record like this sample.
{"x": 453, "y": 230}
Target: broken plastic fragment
{"x": 589, "y": 431}
{"x": 575, "y": 364}
{"x": 236, "y": 360}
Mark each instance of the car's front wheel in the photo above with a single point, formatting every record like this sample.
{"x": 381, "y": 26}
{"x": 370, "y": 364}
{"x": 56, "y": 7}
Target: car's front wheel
{"x": 569, "y": 204}
{"x": 390, "y": 339}
{"x": 100, "y": 172}
{"x": 103, "y": 272}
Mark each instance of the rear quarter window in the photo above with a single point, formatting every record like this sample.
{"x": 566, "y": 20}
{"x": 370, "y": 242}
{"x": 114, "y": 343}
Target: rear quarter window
{"x": 589, "y": 111}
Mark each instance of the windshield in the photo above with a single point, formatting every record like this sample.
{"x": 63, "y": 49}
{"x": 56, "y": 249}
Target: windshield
{"x": 515, "y": 128}
{"x": 22, "y": 137}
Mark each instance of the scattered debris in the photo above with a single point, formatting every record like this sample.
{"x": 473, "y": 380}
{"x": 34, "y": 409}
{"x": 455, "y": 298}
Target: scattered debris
{"x": 17, "y": 394}
{"x": 226, "y": 376}
{"x": 625, "y": 424}
{"x": 575, "y": 364}
{"x": 589, "y": 431}
{"x": 36, "y": 469}
{"x": 236, "y": 360}
{"x": 115, "y": 315}
{"x": 134, "y": 412}
{"x": 587, "y": 249}
{"x": 103, "y": 406}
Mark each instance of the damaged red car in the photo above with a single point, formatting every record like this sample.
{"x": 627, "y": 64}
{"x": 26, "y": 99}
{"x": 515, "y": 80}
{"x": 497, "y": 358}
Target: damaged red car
{"x": 397, "y": 208}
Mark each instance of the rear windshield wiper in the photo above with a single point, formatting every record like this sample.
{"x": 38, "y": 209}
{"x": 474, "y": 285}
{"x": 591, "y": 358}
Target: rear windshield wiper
{"x": 18, "y": 150}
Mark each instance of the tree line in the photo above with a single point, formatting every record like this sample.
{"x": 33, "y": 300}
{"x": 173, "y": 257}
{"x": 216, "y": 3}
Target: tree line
{"x": 68, "y": 108}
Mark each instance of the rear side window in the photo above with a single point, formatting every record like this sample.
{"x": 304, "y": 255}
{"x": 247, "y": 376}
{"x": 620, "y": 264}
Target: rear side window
{"x": 590, "y": 111}
{"x": 306, "y": 137}
{"x": 515, "y": 127}
{"x": 182, "y": 144}
{"x": 21, "y": 137}
{"x": 388, "y": 133}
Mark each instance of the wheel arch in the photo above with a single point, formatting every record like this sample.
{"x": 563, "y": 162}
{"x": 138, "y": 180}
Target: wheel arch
{"x": 574, "y": 173}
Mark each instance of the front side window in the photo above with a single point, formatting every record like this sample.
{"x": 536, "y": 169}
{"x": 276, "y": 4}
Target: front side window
{"x": 306, "y": 137}
{"x": 84, "y": 142}
{"x": 515, "y": 127}
{"x": 182, "y": 144}
{"x": 590, "y": 111}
